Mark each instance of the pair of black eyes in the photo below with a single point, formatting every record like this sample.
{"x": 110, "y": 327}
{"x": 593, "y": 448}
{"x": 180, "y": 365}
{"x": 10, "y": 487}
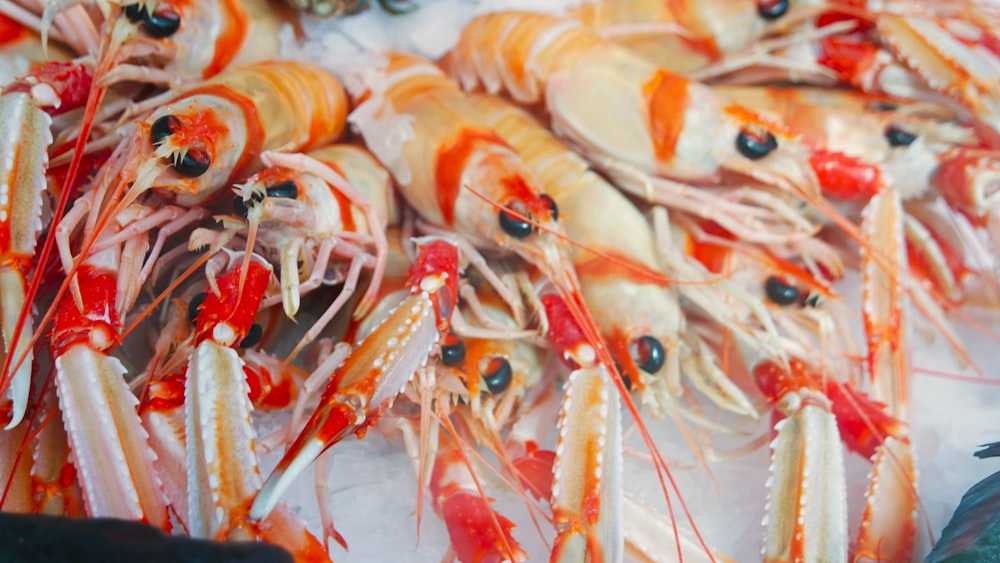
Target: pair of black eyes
{"x": 287, "y": 189}
{"x": 159, "y": 24}
{"x": 756, "y": 147}
{"x": 519, "y": 228}
{"x": 498, "y": 375}
{"x": 782, "y": 294}
{"x": 194, "y": 162}
{"x": 253, "y": 336}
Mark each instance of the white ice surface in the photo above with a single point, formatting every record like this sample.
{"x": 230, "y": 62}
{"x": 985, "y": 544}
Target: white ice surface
{"x": 373, "y": 488}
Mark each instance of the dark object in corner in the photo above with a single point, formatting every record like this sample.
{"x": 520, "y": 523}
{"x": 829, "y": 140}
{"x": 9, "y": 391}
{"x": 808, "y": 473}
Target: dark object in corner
{"x": 973, "y": 533}
{"x": 30, "y": 538}
{"x": 989, "y": 450}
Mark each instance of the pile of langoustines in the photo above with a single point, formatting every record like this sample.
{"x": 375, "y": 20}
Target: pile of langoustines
{"x": 630, "y": 214}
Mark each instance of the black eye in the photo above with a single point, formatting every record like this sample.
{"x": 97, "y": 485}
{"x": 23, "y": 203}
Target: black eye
{"x": 648, "y": 354}
{"x": 453, "y": 351}
{"x": 779, "y": 292}
{"x": 253, "y": 336}
{"x": 161, "y": 24}
{"x": 240, "y": 207}
{"x": 882, "y": 106}
{"x": 515, "y": 227}
{"x": 755, "y": 147}
{"x": 554, "y": 209}
{"x": 163, "y": 128}
{"x": 397, "y": 7}
{"x": 498, "y": 375}
{"x": 196, "y": 302}
{"x": 285, "y": 189}
{"x": 135, "y": 12}
{"x": 772, "y": 9}
{"x": 194, "y": 163}
{"x": 898, "y": 137}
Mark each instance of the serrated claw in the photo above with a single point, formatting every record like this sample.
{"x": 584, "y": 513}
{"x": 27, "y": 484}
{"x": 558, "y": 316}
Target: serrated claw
{"x": 113, "y": 458}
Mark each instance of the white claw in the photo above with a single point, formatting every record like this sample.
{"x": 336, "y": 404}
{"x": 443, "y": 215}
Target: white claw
{"x": 113, "y": 458}
{"x": 279, "y": 481}
{"x": 222, "y": 464}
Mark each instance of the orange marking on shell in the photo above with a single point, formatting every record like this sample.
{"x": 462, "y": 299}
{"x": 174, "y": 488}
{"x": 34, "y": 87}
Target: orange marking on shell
{"x": 451, "y": 162}
{"x": 519, "y": 190}
{"x": 635, "y": 271}
{"x": 713, "y": 256}
{"x": 231, "y": 37}
{"x": 273, "y": 176}
{"x": 10, "y": 30}
{"x": 5, "y": 234}
{"x": 667, "y": 96}
{"x": 802, "y": 275}
{"x": 746, "y": 116}
{"x": 346, "y": 206}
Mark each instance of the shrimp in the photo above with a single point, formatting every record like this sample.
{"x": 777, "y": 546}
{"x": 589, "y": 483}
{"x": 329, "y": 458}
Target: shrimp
{"x": 210, "y": 484}
{"x": 667, "y": 126}
{"x": 377, "y": 370}
{"x": 641, "y": 320}
{"x": 337, "y": 197}
{"x": 450, "y": 145}
{"x": 109, "y": 445}
{"x": 819, "y": 411}
{"x": 208, "y": 137}
{"x": 686, "y": 36}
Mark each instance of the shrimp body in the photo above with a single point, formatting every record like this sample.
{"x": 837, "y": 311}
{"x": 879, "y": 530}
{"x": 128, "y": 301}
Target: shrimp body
{"x": 448, "y": 145}
{"x": 624, "y": 286}
{"x": 680, "y": 35}
{"x": 237, "y": 115}
{"x": 662, "y": 124}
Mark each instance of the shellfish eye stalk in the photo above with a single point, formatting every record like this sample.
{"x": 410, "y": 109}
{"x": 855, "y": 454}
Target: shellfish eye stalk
{"x": 196, "y": 302}
{"x": 287, "y": 189}
{"x": 253, "y": 336}
{"x": 779, "y": 292}
{"x": 194, "y": 163}
{"x": 899, "y": 138}
{"x": 881, "y": 106}
{"x": 648, "y": 354}
{"x": 513, "y": 226}
{"x": 453, "y": 351}
{"x": 240, "y": 207}
{"x": 554, "y": 209}
{"x": 135, "y": 12}
{"x": 163, "y": 128}
{"x": 755, "y": 146}
{"x": 771, "y": 10}
{"x": 498, "y": 375}
{"x": 162, "y": 24}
